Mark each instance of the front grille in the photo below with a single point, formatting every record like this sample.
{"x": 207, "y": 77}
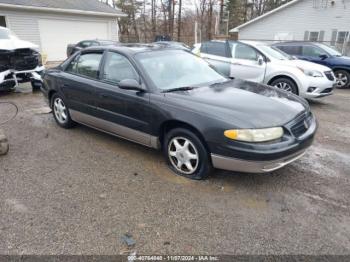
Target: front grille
{"x": 24, "y": 59}
{"x": 329, "y": 75}
{"x": 327, "y": 90}
{"x": 301, "y": 125}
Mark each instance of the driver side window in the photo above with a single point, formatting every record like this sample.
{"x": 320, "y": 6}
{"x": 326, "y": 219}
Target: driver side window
{"x": 117, "y": 68}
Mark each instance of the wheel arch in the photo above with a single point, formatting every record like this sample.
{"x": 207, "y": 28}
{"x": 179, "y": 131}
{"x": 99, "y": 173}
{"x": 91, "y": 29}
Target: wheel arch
{"x": 337, "y": 68}
{"x": 168, "y": 125}
{"x": 284, "y": 76}
{"x": 50, "y": 95}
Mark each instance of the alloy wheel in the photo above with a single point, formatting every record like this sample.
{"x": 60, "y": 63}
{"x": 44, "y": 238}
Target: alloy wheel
{"x": 60, "y": 110}
{"x": 341, "y": 79}
{"x": 284, "y": 86}
{"x": 183, "y": 155}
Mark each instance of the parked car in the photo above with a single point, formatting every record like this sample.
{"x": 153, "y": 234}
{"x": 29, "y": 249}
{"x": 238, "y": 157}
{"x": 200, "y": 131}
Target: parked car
{"x": 261, "y": 63}
{"x": 321, "y": 54}
{"x": 73, "y": 48}
{"x": 20, "y": 61}
{"x": 172, "y": 100}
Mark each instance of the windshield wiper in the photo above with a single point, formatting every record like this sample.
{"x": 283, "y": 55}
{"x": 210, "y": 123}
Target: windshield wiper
{"x": 181, "y": 88}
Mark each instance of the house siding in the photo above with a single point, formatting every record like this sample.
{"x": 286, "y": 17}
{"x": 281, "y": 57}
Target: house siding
{"x": 305, "y": 15}
{"x": 26, "y": 26}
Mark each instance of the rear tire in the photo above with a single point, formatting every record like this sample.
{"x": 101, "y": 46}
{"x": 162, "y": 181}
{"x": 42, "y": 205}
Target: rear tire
{"x": 285, "y": 84}
{"x": 186, "y": 155}
{"x": 343, "y": 78}
{"x": 61, "y": 112}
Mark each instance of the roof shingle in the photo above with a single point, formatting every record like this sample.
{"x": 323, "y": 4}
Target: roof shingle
{"x": 82, "y": 5}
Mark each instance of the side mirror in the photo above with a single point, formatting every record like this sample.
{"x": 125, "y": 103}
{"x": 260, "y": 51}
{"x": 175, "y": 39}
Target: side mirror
{"x": 323, "y": 57}
{"x": 130, "y": 84}
{"x": 261, "y": 60}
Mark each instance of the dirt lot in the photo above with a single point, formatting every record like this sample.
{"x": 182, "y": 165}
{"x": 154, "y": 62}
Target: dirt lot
{"x": 79, "y": 191}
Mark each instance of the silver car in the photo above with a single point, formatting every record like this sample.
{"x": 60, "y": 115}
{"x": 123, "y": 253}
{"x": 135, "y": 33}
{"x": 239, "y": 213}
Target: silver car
{"x": 262, "y": 63}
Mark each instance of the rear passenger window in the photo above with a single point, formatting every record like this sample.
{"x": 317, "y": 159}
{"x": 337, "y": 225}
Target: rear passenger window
{"x": 86, "y": 65}
{"x": 117, "y": 68}
{"x": 216, "y": 48}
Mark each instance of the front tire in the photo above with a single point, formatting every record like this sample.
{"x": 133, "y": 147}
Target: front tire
{"x": 343, "y": 78}
{"x": 61, "y": 112}
{"x": 285, "y": 84}
{"x": 186, "y": 155}
{"x": 36, "y": 85}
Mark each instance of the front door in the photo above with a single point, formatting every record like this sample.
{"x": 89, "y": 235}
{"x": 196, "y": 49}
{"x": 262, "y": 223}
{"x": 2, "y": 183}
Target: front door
{"x": 246, "y": 64}
{"x": 217, "y": 54}
{"x": 314, "y": 54}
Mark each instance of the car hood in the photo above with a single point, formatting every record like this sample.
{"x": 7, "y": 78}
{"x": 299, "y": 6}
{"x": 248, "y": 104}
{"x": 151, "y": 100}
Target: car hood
{"x": 242, "y": 103}
{"x": 12, "y": 44}
{"x": 303, "y": 64}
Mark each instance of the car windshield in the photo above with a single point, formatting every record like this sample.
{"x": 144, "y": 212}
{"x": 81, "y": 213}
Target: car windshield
{"x": 176, "y": 68}
{"x": 6, "y": 34}
{"x": 329, "y": 49}
{"x": 274, "y": 52}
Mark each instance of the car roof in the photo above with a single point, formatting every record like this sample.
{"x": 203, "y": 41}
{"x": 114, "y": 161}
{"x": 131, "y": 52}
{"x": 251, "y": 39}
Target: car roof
{"x": 296, "y": 43}
{"x": 134, "y": 48}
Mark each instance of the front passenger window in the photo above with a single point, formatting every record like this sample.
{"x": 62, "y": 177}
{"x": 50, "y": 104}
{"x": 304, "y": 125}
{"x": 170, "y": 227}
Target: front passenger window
{"x": 312, "y": 51}
{"x": 246, "y": 52}
{"x": 117, "y": 68}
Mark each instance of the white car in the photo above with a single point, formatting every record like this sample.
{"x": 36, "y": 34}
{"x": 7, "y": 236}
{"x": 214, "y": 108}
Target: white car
{"x": 20, "y": 61}
{"x": 262, "y": 63}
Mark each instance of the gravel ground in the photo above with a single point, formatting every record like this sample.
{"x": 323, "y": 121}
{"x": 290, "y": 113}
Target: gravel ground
{"x": 79, "y": 191}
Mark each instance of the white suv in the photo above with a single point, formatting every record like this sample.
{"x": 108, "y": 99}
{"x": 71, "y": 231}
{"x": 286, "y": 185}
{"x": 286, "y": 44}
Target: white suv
{"x": 262, "y": 63}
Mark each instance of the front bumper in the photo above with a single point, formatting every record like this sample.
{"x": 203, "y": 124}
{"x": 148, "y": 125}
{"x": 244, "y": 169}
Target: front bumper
{"x": 321, "y": 87}
{"x": 248, "y": 166}
{"x": 266, "y": 157}
{"x": 11, "y": 78}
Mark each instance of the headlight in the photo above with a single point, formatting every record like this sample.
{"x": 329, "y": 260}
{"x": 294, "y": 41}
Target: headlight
{"x": 255, "y": 135}
{"x": 312, "y": 73}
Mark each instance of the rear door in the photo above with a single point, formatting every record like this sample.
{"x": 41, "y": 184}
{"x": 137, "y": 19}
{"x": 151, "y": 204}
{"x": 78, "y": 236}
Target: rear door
{"x": 78, "y": 82}
{"x": 128, "y": 111}
{"x": 218, "y": 55}
{"x": 245, "y": 63}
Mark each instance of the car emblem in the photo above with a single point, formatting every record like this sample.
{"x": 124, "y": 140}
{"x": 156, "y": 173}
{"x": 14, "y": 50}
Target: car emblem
{"x": 306, "y": 124}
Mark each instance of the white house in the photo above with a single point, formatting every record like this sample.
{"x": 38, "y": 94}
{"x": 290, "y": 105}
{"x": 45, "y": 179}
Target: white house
{"x": 309, "y": 20}
{"x": 53, "y": 24}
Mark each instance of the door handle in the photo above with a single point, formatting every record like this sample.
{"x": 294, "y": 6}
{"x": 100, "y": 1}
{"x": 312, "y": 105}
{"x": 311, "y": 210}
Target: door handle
{"x": 104, "y": 96}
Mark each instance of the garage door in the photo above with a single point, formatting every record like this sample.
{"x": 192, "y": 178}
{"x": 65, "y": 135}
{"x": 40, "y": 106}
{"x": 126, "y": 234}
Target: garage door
{"x": 57, "y": 34}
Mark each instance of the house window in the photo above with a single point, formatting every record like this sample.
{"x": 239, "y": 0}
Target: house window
{"x": 2, "y": 21}
{"x": 342, "y": 37}
{"x": 313, "y": 36}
